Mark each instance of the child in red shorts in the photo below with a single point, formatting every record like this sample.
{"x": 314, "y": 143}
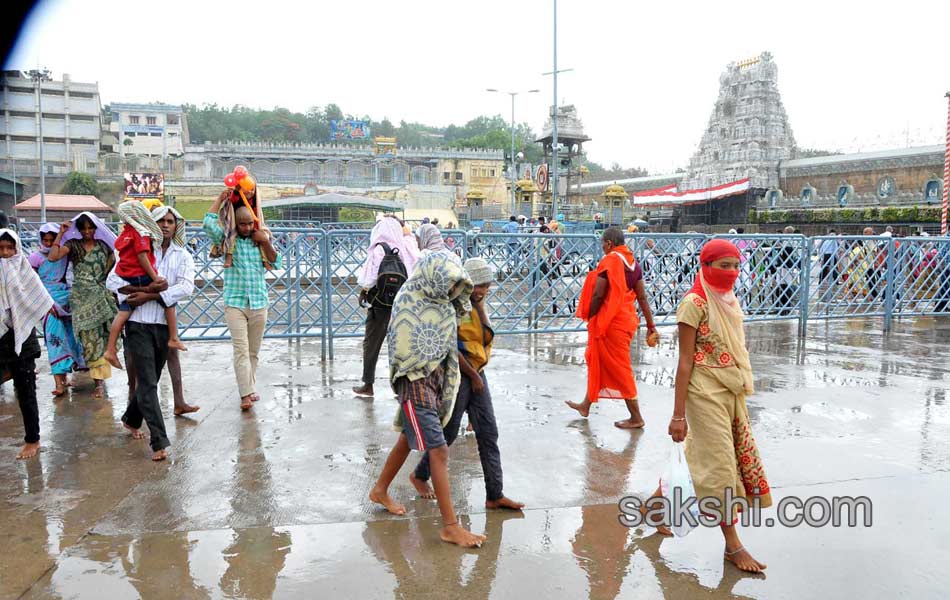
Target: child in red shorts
{"x": 136, "y": 266}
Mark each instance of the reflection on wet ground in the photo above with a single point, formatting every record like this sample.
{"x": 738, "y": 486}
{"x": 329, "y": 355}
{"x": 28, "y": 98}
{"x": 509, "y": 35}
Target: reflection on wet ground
{"x": 272, "y": 503}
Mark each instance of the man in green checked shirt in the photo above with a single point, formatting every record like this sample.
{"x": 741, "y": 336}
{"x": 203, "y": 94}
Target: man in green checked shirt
{"x": 245, "y": 293}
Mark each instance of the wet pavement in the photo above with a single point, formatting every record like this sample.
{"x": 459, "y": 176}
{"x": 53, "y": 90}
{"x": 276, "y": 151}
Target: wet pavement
{"x": 272, "y": 503}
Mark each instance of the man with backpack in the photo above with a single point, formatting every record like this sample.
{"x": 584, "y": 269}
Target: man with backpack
{"x": 390, "y": 259}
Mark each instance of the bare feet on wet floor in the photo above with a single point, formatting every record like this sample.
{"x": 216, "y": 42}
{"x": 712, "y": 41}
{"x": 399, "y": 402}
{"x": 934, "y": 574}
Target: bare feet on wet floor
{"x": 423, "y": 487}
{"x": 177, "y": 345}
{"x": 661, "y": 529}
{"x": 159, "y": 455}
{"x": 629, "y": 424}
{"x": 582, "y": 407}
{"x": 504, "y": 502}
{"x": 185, "y": 409}
{"x": 363, "y": 390}
{"x": 136, "y": 434}
{"x": 113, "y": 359}
{"x": 247, "y": 401}
{"x": 741, "y": 558}
{"x": 28, "y": 451}
{"x": 99, "y": 391}
{"x": 458, "y": 535}
{"x": 381, "y": 496}
{"x": 255, "y": 397}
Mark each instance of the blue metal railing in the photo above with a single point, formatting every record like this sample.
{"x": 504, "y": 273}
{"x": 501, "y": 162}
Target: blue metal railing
{"x": 538, "y": 279}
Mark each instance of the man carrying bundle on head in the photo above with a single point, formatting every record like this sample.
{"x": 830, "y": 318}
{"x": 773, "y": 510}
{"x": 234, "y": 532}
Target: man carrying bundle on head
{"x": 241, "y": 192}
{"x": 249, "y": 253}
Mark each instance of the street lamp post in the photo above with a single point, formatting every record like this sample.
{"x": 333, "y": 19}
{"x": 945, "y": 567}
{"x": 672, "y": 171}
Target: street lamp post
{"x": 556, "y": 163}
{"x": 511, "y": 172}
{"x": 39, "y": 76}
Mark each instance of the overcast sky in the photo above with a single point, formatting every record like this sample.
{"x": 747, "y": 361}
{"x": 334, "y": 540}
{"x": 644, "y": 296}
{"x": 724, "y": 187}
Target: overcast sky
{"x": 646, "y": 75}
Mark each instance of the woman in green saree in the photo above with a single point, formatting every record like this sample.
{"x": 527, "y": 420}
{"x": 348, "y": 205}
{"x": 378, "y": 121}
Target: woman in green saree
{"x": 89, "y": 244}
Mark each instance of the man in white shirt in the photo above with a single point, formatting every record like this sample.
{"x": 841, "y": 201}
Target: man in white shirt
{"x": 146, "y": 332}
{"x": 169, "y": 220}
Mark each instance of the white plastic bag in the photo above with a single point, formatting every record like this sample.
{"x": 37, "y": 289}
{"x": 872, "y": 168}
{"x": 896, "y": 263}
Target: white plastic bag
{"x": 675, "y": 476}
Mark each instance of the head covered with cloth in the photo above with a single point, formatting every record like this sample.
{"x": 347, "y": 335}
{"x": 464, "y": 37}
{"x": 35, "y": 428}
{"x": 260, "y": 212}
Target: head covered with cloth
{"x": 714, "y": 283}
{"x": 102, "y": 231}
{"x": 135, "y": 215}
{"x": 388, "y": 230}
{"x": 38, "y": 257}
{"x": 430, "y": 238}
{"x": 23, "y": 297}
{"x": 159, "y": 212}
{"x": 423, "y": 329}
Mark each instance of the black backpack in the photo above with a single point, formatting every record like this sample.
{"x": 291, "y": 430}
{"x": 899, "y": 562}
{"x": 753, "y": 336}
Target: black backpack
{"x": 392, "y": 274}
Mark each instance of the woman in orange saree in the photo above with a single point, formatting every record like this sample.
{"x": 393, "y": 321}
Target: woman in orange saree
{"x": 608, "y": 304}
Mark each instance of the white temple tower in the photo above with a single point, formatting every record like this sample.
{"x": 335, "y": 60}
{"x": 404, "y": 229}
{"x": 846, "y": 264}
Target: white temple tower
{"x": 748, "y": 132}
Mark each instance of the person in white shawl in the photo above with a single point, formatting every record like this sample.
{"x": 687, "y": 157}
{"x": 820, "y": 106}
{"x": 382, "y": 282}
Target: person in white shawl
{"x": 24, "y": 302}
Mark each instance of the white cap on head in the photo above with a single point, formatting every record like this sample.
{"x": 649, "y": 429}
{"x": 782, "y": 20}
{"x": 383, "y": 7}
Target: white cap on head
{"x": 479, "y": 271}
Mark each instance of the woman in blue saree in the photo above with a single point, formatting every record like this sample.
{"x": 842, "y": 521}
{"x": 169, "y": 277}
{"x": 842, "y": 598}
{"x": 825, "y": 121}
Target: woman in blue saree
{"x": 65, "y": 353}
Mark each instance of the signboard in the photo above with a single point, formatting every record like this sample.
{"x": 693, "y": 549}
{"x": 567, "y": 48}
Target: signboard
{"x": 542, "y": 177}
{"x": 142, "y": 129}
{"x": 385, "y": 147}
{"x": 349, "y": 130}
{"x": 145, "y": 185}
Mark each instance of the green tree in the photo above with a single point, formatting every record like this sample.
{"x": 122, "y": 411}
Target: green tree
{"x": 599, "y": 173}
{"x": 385, "y": 128}
{"x": 80, "y": 184}
{"x": 333, "y": 113}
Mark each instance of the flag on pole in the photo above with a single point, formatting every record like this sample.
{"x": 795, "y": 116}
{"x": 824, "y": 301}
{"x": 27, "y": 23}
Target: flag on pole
{"x": 946, "y": 175}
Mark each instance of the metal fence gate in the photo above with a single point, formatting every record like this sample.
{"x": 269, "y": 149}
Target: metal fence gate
{"x": 538, "y": 279}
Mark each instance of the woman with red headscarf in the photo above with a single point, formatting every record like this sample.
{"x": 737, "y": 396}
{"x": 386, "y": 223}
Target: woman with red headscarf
{"x": 713, "y": 378}
{"x": 608, "y": 304}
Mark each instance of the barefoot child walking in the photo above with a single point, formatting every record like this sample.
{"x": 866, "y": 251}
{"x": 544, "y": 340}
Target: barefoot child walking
{"x": 475, "y": 337}
{"x": 424, "y": 373}
{"x": 136, "y": 266}
{"x": 24, "y": 302}
{"x": 713, "y": 378}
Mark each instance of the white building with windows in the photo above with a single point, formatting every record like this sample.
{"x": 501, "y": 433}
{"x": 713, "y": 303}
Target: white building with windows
{"x": 149, "y": 129}
{"x": 71, "y": 124}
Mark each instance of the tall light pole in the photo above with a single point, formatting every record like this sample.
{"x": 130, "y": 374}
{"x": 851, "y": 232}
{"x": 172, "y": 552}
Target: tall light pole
{"x": 511, "y": 172}
{"x": 554, "y": 150}
{"x": 39, "y": 76}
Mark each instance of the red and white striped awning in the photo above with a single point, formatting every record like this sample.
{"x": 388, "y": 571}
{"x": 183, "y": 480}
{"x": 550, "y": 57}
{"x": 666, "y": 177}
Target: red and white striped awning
{"x": 668, "y": 196}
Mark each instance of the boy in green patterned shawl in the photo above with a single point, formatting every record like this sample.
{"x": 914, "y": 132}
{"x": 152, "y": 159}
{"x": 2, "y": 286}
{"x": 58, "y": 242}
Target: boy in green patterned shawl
{"x": 424, "y": 373}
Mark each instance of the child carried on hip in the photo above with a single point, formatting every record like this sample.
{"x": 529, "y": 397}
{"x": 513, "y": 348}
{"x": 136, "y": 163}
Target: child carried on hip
{"x": 136, "y": 265}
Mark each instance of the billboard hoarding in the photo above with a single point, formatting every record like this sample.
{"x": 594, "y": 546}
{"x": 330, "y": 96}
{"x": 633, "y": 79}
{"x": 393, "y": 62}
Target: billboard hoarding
{"x": 145, "y": 185}
{"x": 349, "y": 130}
